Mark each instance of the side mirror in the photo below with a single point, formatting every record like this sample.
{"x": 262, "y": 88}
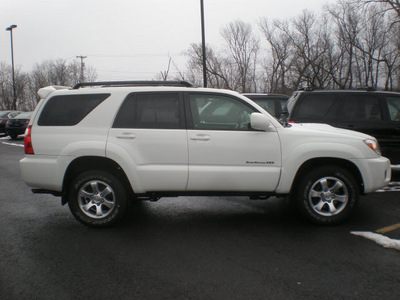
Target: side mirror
{"x": 259, "y": 121}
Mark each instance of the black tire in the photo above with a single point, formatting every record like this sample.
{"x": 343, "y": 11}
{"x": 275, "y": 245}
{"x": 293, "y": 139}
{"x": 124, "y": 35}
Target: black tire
{"x": 13, "y": 136}
{"x": 97, "y": 198}
{"x": 327, "y": 195}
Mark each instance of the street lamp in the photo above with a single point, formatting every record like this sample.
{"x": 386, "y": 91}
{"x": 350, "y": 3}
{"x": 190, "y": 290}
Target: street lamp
{"x": 203, "y": 44}
{"x": 10, "y": 29}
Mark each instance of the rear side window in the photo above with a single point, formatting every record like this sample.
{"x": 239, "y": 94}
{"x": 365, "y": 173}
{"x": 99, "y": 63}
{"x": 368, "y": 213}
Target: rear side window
{"x": 153, "y": 110}
{"x": 317, "y": 107}
{"x": 360, "y": 108}
{"x": 393, "y": 104}
{"x": 69, "y": 110}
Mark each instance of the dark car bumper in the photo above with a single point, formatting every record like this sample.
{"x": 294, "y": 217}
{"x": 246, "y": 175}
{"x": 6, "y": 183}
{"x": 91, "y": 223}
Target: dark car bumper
{"x": 15, "y": 131}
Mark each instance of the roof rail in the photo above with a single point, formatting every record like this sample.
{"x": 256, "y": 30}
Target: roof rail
{"x": 133, "y": 83}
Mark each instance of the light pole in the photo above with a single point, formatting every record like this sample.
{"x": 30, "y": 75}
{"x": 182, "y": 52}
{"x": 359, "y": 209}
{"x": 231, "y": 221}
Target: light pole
{"x": 10, "y": 29}
{"x": 203, "y": 43}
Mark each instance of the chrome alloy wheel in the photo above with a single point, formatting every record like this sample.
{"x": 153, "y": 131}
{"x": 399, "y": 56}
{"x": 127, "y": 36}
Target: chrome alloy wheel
{"x": 328, "y": 196}
{"x": 96, "y": 199}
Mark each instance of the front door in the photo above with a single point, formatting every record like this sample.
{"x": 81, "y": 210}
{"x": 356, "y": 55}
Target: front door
{"x": 225, "y": 154}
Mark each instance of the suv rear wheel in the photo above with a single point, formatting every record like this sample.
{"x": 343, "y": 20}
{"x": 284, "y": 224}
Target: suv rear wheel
{"x": 327, "y": 195}
{"x": 97, "y": 198}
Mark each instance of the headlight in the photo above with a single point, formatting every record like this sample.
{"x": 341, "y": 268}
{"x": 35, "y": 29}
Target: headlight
{"x": 373, "y": 144}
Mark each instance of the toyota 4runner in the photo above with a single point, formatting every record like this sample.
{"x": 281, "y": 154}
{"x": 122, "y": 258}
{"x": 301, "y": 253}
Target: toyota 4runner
{"x": 100, "y": 148}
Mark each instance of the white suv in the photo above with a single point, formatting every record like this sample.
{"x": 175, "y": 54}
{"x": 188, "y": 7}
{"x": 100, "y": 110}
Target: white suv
{"x": 101, "y": 148}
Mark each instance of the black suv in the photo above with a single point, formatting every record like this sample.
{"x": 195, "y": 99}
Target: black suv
{"x": 376, "y": 113}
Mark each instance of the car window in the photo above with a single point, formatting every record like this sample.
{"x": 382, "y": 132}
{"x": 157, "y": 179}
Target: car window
{"x": 267, "y": 104}
{"x": 393, "y": 104}
{"x": 69, "y": 110}
{"x": 283, "y": 103}
{"x": 215, "y": 112}
{"x": 360, "y": 108}
{"x": 317, "y": 106}
{"x": 153, "y": 110}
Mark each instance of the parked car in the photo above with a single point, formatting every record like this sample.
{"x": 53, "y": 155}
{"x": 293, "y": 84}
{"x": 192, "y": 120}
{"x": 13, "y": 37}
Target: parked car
{"x": 275, "y": 104}
{"x": 102, "y": 148}
{"x": 18, "y": 124}
{"x": 376, "y": 113}
{"x": 4, "y": 117}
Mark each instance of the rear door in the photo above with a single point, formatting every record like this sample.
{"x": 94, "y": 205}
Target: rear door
{"x": 372, "y": 114}
{"x": 225, "y": 154}
{"x": 390, "y": 140}
{"x": 150, "y": 128}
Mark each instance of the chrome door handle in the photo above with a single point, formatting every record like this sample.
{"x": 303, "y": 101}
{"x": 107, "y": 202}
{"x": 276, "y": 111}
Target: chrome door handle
{"x": 126, "y": 136}
{"x": 200, "y": 137}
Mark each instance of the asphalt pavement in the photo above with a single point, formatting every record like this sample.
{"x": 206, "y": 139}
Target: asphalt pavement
{"x": 192, "y": 248}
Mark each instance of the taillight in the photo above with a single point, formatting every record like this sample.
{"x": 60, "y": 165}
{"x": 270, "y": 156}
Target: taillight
{"x": 291, "y": 122}
{"x": 28, "y": 141}
{"x": 27, "y": 122}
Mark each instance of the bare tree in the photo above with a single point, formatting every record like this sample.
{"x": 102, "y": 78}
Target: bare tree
{"x": 243, "y": 47}
{"x": 387, "y": 5}
{"x": 277, "y": 67}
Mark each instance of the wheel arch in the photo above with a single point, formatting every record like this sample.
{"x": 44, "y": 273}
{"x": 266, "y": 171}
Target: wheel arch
{"x": 328, "y": 161}
{"x": 86, "y": 163}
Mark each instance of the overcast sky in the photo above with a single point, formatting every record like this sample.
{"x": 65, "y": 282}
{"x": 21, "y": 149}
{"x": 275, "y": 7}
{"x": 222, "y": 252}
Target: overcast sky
{"x": 126, "y": 39}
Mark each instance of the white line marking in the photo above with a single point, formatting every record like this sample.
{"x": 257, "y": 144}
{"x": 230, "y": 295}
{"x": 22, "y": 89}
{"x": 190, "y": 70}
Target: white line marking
{"x": 379, "y": 239}
{"x": 12, "y": 144}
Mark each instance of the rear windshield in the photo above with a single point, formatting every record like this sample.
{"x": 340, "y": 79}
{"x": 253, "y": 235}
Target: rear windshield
{"x": 3, "y": 114}
{"x": 25, "y": 115}
{"x": 69, "y": 110}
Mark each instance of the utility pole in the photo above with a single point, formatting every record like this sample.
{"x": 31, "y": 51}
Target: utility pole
{"x": 82, "y": 67}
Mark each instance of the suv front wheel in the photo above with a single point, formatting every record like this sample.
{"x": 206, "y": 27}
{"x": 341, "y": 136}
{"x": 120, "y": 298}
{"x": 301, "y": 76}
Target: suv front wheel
{"x": 97, "y": 198}
{"x": 327, "y": 195}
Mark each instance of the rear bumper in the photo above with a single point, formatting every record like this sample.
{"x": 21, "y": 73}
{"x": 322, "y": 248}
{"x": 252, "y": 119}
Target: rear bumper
{"x": 16, "y": 130}
{"x": 44, "y": 172}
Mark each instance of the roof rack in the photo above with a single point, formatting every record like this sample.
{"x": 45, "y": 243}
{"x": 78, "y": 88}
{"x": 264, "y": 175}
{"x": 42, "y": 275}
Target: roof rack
{"x": 133, "y": 83}
{"x": 306, "y": 88}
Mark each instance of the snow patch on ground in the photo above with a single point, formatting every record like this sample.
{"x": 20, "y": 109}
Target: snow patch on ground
{"x": 379, "y": 239}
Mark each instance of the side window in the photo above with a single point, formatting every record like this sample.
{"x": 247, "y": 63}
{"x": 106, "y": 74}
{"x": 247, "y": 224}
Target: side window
{"x": 283, "y": 103}
{"x": 317, "y": 107}
{"x": 361, "y": 108}
{"x": 215, "y": 112}
{"x": 69, "y": 110}
{"x": 125, "y": 117}
{"x": 393, "y": 104}
{"x": 267, "y": 104}
{"x": 153, "y": 110}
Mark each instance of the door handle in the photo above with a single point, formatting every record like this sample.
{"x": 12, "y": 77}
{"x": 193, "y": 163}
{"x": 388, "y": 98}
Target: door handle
{"x": 126, "y": 136}
{"x": 200, "y": 137}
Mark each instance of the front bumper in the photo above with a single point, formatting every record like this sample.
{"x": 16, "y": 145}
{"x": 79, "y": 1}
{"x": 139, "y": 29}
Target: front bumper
{"x": 376, "y": 172}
